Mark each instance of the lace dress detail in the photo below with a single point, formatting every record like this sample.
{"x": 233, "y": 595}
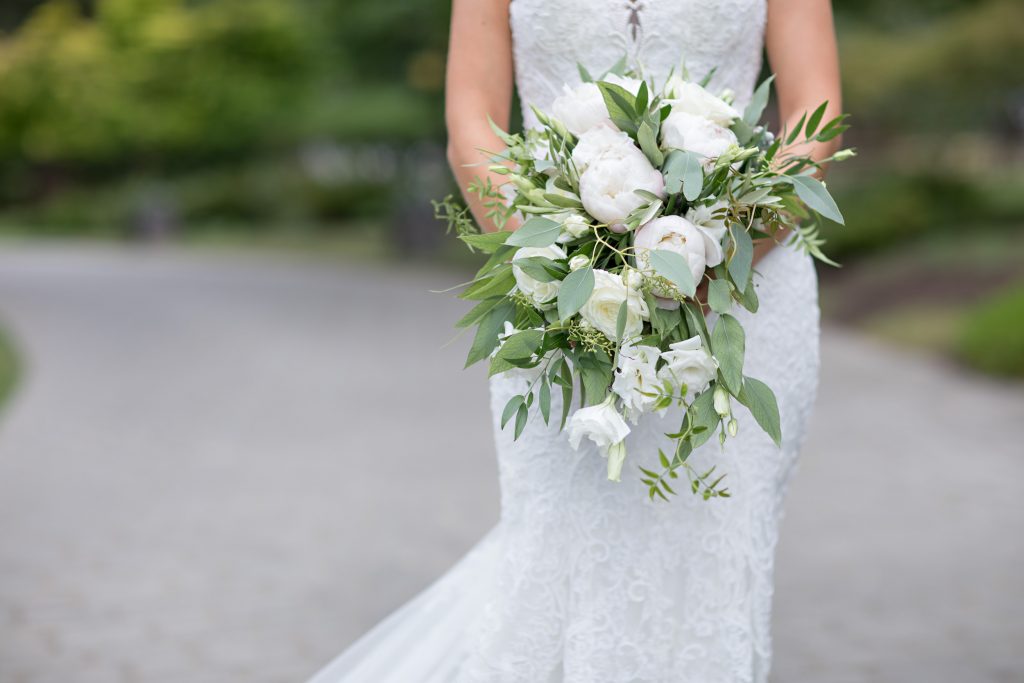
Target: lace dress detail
{"x": 584, "y": 580}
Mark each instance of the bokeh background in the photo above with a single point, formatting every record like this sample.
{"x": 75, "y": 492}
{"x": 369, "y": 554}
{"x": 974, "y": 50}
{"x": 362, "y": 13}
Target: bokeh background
{"x": 211, "y": 211}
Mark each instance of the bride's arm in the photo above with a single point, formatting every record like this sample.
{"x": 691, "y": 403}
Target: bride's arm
{"x": 479, "y": 84}
{"x": 801, "y": 45}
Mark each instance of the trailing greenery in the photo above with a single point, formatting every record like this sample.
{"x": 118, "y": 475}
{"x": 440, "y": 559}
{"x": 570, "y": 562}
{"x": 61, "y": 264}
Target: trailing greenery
{"x": 992, "y": 336}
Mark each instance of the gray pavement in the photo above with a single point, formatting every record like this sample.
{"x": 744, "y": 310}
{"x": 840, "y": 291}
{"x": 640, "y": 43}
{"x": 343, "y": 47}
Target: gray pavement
{"x": 223, "y": 469}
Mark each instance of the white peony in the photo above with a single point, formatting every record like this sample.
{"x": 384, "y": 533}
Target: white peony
{"x": 581, "y": 109}
{"x": 691, "y": 98}
{"x": 696, "y": 134}
{"x": 712, "y": 229}
{"x": 603, "y": 425}
{"x": 602, "y": 308}
{"x": 541, "y": 293}
{"x": 636, "y": 376}
{"x": 689, "y": 365}
{"x": 608, "y": 185}
{"x": 600, "y": 143}
{"x": 675, "y": 234}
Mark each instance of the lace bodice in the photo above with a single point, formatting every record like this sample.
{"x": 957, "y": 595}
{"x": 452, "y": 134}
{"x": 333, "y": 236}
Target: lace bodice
{"x": 550, "y": 37}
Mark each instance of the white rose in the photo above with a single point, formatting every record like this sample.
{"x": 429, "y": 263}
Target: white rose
{"x": 574, "y": 226}
{"x": 675, "y": 234}
{"x": 696, "y": 134}
{"x": 599, "y": 143}
{"x": 688, "y": 364}
{"x": 602, "y": 308}
{"x": 578, "y": 261}
{"x": 608, "y": 187}
{"x": 581, "y": 109}
{"x": 691, "y": 98}
{"x": 712, "y": 229}
{"x": 603, "y": 425}
{"x": 541, "y": 293}
{"x": 635, "y": 377}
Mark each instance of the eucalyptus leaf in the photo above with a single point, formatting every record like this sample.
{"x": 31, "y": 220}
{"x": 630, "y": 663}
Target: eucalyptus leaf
{"x": 815, "y": 119}
{"x": 649, "y": 144}
{"x": 753, "y": 111}
{"x": 683, "y": 170}
{"x": 674, "y": 268}
{"x": 574, "y": 292}
{"x": 521, "y": 415}
{"x": 491, "y": 325}
{"x": 544, "y": 399}
{"x": 510, "y": 409}
{"x": 814, "y": 194}
{"x": 521, "y": 345}
{"x": 742, "y": 258}
{"x": 729, "y": 345}
{"x": 536, "y": 232}
{"x": 760, "y": 400}
{"x": 703, "y": 416}
{"x": 719, "y": 296}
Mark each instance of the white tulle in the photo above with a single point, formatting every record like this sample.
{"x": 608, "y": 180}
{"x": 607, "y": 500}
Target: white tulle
{"x": 584, "y": 580}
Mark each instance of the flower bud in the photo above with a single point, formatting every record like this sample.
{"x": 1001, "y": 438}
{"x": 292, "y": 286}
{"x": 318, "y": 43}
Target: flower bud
{"x": 578, "y": 261}
{"x": 722, "y": 404}
{"x": 844, "y": 154}
{"x": 733, "y": 427}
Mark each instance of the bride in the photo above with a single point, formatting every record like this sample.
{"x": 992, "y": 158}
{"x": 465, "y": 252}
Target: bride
{"x": 584, "y": 580}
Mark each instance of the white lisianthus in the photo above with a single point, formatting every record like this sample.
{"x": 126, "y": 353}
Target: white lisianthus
{"x": 688, "y": 365}
{"x": 603, "y": 425}
{"x": 691, "y": 98}
{"x": 541, "y": 293}
{"x": 579, "y": 261}
{"x": 574, "y": 226}
{"x": 696, "y": 134}
{"x": 636, "y": 377}
{"x": 602, "y": 308}
{"x": 608, "y": 188}
{"x": 675, "y": 234}
{"x": 712, "y": 229}
{"x": 581, "y": 109}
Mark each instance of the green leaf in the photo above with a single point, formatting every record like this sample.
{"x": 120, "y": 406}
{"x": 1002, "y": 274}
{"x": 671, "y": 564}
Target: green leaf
{"x": 742, "y": 258}
{"x": 752, "y": 114}
{"x": 540, "y": 268}
{"x": 499, "y": 282}
{"x": 545, "y": 399}
{"x": 748, "y": 298}
{"x": 595, "y": 371}
{"x": 565, "y": 374}
{"x": 683, "y": 170}
{"x": 642, "y": 99}
{"x": 521, "y": 416}
{"x": 812, "y": 123}
{"x": 536, "y": 232}
{"x": 674, "y": 268}
{"x": 574, "y": 292}
{"x": 793, "y": 134}
{"x": 491, "y": 325}
{"x": 695, "y": 321}
{"x": 620, "y": 320}
{"x": 487, "y": 242}
{"x": 479, "y": 311}
{"x": 510, "y": 409}
{"x": 649, "y": 144}
{"x": 584, "y": 74}
{"x": 703, "y": 416}
{"x": 719, "y": 296}
{"x": 621, "y": 103}
{"x": 521, "y": 345}
{"x": 760, "y": 400}
{"x": 728, "y": 345}
{"x": 814, "y": 194}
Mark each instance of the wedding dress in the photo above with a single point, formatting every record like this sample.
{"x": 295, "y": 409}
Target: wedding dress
{"x": 585, "y": 580}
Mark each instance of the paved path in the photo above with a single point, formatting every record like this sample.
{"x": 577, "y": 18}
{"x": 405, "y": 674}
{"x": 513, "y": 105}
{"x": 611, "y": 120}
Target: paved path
{"x": 212, "y": 473}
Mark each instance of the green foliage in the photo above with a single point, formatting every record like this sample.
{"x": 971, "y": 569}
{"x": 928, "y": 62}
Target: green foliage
{"x": 8, "y": 367}
{"x": 992, "y": 337}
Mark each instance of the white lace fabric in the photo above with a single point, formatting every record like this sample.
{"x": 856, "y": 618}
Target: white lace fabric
{"x": 585, "y": 580}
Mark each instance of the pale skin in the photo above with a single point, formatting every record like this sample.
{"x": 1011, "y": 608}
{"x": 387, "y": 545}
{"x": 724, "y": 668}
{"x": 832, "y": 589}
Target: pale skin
{"x": 799, "y": 39}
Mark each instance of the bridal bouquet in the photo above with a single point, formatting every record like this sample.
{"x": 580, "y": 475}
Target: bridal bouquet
{"x": 640, "y": 209}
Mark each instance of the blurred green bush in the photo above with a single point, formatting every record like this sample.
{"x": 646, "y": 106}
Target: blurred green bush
{"x": 992, "y": 336}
